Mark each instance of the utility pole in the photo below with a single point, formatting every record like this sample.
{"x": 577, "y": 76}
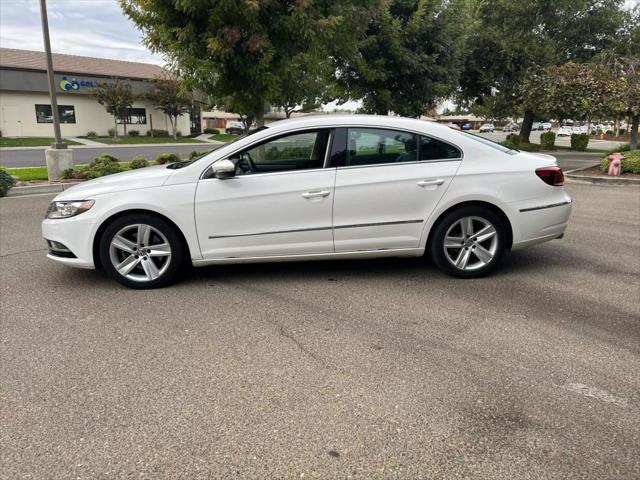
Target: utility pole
{"x": 58, "y": 157}
{"x": 52, "y": 86}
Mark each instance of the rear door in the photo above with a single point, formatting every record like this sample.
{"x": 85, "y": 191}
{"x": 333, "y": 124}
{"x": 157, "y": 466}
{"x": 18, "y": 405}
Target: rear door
{"x": 387, "y": 184}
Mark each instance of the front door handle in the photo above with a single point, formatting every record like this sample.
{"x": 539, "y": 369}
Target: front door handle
{"x": 429, "y": 183}
{"x": 322, "y": 193}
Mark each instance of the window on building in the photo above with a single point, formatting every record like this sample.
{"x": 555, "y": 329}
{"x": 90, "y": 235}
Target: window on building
{"x": 134, "y": 116}
{"x": 44, "y": 114}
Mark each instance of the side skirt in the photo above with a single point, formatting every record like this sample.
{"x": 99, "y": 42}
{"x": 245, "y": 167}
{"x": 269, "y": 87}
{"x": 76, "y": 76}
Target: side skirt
{"x": 391, "y": 252}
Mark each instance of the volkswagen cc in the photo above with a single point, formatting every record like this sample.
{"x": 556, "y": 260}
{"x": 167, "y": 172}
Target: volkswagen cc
{"x": 320, "y": 187}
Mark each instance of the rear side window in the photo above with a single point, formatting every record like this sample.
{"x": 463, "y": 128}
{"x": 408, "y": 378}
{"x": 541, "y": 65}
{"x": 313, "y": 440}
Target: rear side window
{"x": 370, "y": 146}
{"x": 432, "y": 149}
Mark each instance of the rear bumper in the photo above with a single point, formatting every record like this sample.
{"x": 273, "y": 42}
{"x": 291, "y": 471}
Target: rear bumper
{"x": 541, "y": 221}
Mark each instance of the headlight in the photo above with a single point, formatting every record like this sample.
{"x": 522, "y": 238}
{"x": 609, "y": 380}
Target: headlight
{"x": 68, "y": 209}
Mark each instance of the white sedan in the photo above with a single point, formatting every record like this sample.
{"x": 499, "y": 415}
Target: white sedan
{"x": 565, "y": 132}
{"x": 320, "y": 187}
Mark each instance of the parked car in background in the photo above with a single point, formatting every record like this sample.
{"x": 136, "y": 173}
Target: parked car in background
{"x": 315, "y": 188}
{"x": 536, "y": 126}
{"x": 487, "y": 127}
{"x": 564, "y": 131}
{"x": 511, "y": 127}
{"x": 467, "y": 126}
{"x": 455, "y": 126}
{"x": 546, "y": 126}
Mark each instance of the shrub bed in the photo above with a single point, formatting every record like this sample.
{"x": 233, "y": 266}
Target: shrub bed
{"x": 548, "y": 140}
{"x": 167, "y": 158}
{"x": 138, "y": 162}
{"x": 211, "y": 131}
{"x": 6, "y": 182}
{"x": 579, "y": 141}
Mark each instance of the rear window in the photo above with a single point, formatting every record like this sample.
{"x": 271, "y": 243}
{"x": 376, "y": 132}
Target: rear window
{"x": 490, "y": 143}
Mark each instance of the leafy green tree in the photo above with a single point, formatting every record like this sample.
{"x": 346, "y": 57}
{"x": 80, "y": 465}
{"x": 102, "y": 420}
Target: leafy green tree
{"x": 116, "y": 98}
{"x": 246, "y": 50}
{"x": 513, "y": 41}
{"x": 172, "y": 98}
{"x": 408, "y": 58}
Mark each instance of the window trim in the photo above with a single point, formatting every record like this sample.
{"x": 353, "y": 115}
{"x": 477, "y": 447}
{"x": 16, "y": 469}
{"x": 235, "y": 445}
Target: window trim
{"x": 437, "y": 160}
{"x": 205, "y": 175}
{"x": 36, "y": 105}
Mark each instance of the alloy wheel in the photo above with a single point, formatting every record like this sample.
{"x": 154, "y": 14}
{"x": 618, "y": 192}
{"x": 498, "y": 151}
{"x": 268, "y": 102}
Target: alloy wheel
{"x": 140, "y": 252}
{"x": 470, "y": 243}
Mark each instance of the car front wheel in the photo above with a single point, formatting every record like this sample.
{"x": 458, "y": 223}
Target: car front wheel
{"x": 469, "y": 242}
{"x": 141, "y": 251}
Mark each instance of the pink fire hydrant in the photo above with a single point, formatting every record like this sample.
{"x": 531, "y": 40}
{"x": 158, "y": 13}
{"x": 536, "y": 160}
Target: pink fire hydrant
{"x": 615, "y": 163}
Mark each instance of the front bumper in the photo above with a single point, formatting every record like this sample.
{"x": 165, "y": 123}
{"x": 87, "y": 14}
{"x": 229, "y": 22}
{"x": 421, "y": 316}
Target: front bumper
{"x": 75, "y": 234}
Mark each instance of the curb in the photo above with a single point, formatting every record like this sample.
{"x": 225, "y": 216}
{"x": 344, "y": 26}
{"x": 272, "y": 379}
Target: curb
{"x": 600, "y": 180}
{"x": 40, "y": 189}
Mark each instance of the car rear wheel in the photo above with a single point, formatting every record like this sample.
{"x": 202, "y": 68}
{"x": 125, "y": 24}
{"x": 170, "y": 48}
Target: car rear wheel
{"x": 142, "y": 251}
{"x": 469, "y": 242}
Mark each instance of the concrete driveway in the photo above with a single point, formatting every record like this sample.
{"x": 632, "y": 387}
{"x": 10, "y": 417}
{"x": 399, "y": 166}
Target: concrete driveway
{"x": 369, "y": 369}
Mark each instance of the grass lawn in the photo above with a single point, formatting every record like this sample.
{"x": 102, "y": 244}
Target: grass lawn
{"x": 40, "y": 173}
{"x": 144, "y": 140}
{"x": 30, "y": 142}
{"x": 223, "y": 137}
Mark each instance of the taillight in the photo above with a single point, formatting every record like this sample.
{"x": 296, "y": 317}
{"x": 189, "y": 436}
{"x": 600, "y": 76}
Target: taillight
{"x": 551, "y": 175}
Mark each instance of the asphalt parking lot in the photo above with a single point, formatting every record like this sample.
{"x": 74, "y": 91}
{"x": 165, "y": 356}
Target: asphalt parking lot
{"x": 369, "y": 369}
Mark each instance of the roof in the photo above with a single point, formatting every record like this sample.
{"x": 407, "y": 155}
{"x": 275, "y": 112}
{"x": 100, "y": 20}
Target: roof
{"x": 31, "y": 60}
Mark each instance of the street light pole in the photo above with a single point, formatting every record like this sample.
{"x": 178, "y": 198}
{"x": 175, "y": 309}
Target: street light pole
{"x": 59, "y": 145}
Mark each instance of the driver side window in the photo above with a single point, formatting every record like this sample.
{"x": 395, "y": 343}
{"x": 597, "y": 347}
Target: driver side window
{"x": 298, "y": 151}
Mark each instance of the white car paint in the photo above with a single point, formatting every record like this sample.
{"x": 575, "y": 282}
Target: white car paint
{"x": 565, "y": 132}
{"x": 363, "y": 211}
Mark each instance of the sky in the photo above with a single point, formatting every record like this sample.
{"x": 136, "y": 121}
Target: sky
{"x": 94, "y": 28}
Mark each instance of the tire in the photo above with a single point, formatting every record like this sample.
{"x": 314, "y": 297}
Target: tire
{"x": 125, "y": 243}
{"x": 483, "y": 254}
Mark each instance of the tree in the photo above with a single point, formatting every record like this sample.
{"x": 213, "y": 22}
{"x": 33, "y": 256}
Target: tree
{"x": 116, "y": 98}
{"x": 512, "y": 41}
{"x": 244, "y": 49}
{"x": 408, "y": 59}
{"x": 171, "y": 97}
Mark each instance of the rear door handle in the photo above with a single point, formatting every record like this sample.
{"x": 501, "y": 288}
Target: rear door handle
{"x": 427, "y": 183}
{"x": 321, "y": 193}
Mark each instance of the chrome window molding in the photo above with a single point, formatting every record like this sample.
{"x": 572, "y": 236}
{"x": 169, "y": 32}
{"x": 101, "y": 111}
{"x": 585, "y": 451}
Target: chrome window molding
{"x": 401, "y": 163}
{"x": 333, "y": 127}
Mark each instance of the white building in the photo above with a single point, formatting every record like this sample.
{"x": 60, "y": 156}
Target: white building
{"x": 25, "y": 108}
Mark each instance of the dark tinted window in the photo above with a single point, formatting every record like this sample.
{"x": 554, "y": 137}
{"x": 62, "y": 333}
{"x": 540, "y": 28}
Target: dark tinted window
{"x": 432, "y": 149}
{"x": 371, "y": 146}
{"x": 44, "y": 114}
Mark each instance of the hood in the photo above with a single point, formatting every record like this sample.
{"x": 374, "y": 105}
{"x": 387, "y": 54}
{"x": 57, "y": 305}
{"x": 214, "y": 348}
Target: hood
{"x": 118, "y": 182}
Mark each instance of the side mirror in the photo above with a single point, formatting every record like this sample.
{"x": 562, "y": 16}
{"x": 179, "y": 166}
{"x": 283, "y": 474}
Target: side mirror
{"x": 224, "y": 169}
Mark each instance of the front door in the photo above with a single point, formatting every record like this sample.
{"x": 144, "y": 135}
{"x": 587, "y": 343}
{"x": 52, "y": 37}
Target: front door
{"x": 10, "y": 121}
{"x": 388, "y": 184}
{"x": 279, "y": 202}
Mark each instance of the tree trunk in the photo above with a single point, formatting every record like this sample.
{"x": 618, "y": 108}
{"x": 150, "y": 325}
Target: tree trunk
{"x": 174, "y": 126}
{"x": 633, "y": 144}
{"x": 527, "y": 124}
{"x": 616, "y": 127}
{"x": 259, "y": 119}
{"x": 115, "y": 126}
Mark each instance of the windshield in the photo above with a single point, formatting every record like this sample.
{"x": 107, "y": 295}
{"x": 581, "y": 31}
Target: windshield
{"x": 490, "y": 143}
